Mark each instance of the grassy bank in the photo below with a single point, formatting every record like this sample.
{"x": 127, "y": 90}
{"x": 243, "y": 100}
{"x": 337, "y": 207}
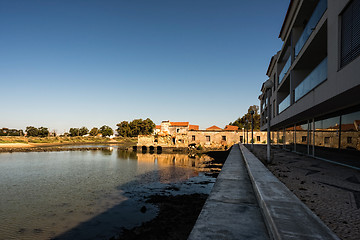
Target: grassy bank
{"x": 65, "y": 140}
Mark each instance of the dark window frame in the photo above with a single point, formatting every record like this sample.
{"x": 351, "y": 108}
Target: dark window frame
{"x": 349, "y": 47}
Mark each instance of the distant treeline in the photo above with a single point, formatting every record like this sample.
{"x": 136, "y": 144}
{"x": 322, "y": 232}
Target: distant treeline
{"x": 11, "y": 132}
{"x": 125, "y": 129}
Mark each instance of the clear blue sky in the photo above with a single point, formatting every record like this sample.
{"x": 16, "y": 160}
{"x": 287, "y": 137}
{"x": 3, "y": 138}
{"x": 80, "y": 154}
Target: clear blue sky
{"x": 72, "y": 63}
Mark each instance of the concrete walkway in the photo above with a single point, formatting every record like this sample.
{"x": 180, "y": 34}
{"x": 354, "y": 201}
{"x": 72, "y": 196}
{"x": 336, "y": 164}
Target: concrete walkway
{"x": 249, "y": 202}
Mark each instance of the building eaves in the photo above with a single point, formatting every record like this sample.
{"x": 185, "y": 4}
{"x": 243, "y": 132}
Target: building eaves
{"x": 288, "y": 19}
{"x": 272, "y": 64}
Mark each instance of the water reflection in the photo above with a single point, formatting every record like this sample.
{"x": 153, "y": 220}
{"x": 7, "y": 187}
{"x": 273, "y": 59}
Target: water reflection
{"x": 48, "y": 194}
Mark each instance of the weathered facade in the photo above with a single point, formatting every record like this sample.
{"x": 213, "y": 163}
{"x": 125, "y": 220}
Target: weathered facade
{"x": 184, "y": 135}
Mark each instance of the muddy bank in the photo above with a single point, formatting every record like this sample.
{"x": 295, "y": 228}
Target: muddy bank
{"x": 177, "y": 214}
{"x": 176, "y": 218}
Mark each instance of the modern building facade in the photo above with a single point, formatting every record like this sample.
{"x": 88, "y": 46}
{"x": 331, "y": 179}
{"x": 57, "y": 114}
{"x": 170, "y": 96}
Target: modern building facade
{"x": 313, "y": 101}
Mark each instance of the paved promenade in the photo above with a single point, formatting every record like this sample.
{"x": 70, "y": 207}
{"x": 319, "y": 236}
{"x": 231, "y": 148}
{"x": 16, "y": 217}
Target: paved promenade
{"x": 249, "y": 202}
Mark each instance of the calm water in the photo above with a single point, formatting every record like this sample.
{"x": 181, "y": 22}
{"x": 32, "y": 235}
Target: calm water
{"x": 88, "y": 194}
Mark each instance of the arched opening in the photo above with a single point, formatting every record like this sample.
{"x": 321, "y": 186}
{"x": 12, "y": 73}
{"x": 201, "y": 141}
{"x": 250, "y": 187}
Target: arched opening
{"x": 134, "y": 148}
{"x": 143, "y": 148}
{"x": 151, "y": 149}
{"x": 159, "y": 149}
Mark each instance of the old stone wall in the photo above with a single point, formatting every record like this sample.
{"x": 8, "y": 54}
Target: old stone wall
{"x": 205, "y": 138}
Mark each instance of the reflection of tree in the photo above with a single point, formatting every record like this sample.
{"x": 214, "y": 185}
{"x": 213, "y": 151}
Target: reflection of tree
{"x": 181, "y": 160}
{"x": 122, "y": 154}
{"x": 106, "y": 151}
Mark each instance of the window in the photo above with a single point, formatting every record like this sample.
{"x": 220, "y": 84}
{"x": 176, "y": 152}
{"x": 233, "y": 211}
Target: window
{"x": 349, "y": 139}
{"x": 303, "y": 139}
{"x": 326, "y": 140}
{"x": 193, "y": 137}
{"x": 241, "y": 139}
{"x": 178, "y": 130}
{"x": 208, "y": 138}
{"x": 350, "y": 33}
{"x": 223, "y": 138}
{"x": 258, "y": 138}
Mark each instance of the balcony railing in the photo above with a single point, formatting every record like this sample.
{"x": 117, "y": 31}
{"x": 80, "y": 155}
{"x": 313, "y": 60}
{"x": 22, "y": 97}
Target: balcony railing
{"x": 284, "y": 104}
{"x": 313, "y": 21}
{"x": 285, "y": 70}
{"x": 317, "y": 76}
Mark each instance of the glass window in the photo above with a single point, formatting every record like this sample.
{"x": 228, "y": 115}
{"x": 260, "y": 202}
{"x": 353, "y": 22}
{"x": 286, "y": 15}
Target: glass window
{"x": 327, "y": 132}
{"x": 289, "y": 137}
{"x": 350, "y": 33}
{"x": 350, "y": 135}
{"x": 301, "y": 138}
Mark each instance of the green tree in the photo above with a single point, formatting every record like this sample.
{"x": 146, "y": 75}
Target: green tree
{"x": 83, "y": 131}
{"x": 124, "y": 129}
{"x": 74, "y": 132}
{"x": 32, "y": 131}
{"x": 43, "y": 132}
{"x": 94, "y": 131}
{"x": 245, "y": 121}
{"x": 106, "y": 131}
{"x": 135, "y": 127}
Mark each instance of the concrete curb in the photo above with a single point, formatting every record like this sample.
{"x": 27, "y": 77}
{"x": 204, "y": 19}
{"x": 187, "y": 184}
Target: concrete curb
{"x": 285, "y": 215}
{"x": 231, "y": 211}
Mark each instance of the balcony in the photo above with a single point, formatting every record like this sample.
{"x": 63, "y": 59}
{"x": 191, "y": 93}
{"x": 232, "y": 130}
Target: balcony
{"x": 317, "y": 76}
{"x": 284, "y": 104}
{"x": 285, "y": 70}
{"x": 313, "y": 21}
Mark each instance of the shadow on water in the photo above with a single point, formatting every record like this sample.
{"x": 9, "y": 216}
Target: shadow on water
{"x": 170, "y": 180}
{"x": 109, "y": 223}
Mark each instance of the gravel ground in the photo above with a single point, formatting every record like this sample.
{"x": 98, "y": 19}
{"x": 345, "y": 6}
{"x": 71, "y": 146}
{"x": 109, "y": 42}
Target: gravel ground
{"x": 331, "y": 191}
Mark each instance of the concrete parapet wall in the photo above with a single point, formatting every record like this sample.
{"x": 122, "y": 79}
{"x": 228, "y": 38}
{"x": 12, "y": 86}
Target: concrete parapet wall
{"x": 285, "y": 215}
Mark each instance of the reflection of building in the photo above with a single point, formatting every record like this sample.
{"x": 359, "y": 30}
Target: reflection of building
{"x": 314, "y": 100}
{"x": 183, "y": 135}
{"x": 165, "y": 161}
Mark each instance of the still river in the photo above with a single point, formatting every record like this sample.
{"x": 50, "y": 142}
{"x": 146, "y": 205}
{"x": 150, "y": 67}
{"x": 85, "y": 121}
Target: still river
{"x": 89, "y": 194}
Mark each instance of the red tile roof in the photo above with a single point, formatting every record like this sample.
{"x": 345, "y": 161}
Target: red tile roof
{"x": 347, "y": 127}
{"x": 193, "y": 127}
{"x": 213, "y": 128}
{"x": 158, "y": 126}
{"x": 231, "y": 128}
{"x": 179, "y": 124}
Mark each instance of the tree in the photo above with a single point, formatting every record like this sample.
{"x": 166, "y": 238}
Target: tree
{"x": 43, "y": 132}
{"x": 37, "y": 132}
{"x": 32, "y": 131}
{"x": 83, "y": 131}
{"x": 124, "y": 129}
{"x": 94, "y": 131}
{"x": 135, "y": 127}
{"x": 74, "y": 132}
{"x": 245, "y": 121}
{"x": 106, "y": 131}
